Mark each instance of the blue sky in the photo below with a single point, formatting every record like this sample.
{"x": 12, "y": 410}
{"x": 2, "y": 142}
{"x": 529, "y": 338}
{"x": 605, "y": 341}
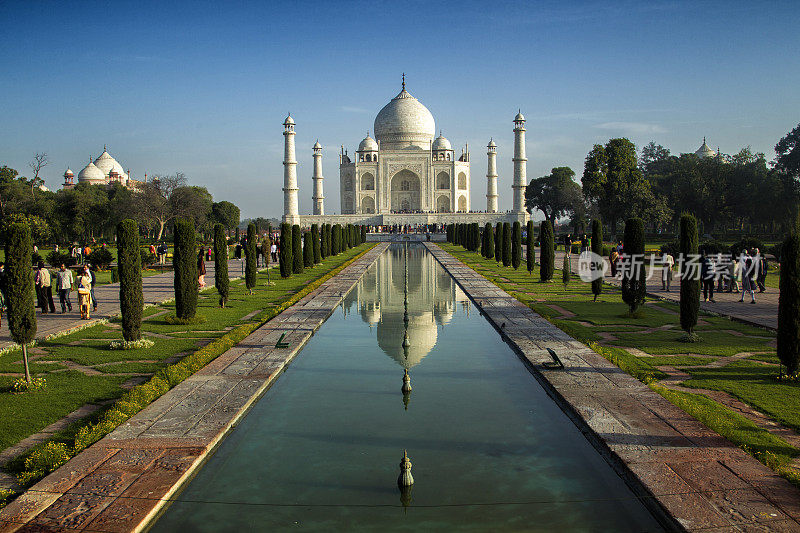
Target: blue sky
{"x": 203, "y": 87}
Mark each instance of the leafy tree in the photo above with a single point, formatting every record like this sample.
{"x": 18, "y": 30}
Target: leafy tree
{"x": 297, "y": 250}
{"x": 690, "y": 284}
{"x": 221, "y": 264}
{"x": 154, "y": 202}
{"x": 250, "y": 263}
{"x": 789, "y": 304}
{"x": 498, "y": 242}
{"x": 225, "y": 213}
{"x": 516, "y": 245}
{"x": 185, "y": 265}
{"x": 547, "y": 251}
{"x": 316, "y": 245}
{"x": 488, "y": 234}
{"x": 129, "y": 263}
{"x": 506, "y": 244}
{"x": 308, "y": 250}
{"x": 530, "y": 248}
{"x": 556, "y": 195}
{"x": 597, "y": 248}
{"x": 787, "y": 168}
{"x": 286, "y": 261}
{"x": 19, "y": 283}
{"x": 40, "y": 229}
{"x": 634, "y": 284}
{"x": 192, "y": 202}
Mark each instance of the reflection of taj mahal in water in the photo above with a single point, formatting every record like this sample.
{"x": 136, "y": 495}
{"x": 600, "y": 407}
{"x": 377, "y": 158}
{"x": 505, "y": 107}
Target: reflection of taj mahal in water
{"x": 432, "y": 299}
{"x": 404, "y": 175}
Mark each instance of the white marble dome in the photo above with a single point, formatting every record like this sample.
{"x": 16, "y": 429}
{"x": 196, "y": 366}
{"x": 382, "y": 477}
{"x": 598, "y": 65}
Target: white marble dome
{"x": 91, "y": 174}
{"x": 705, "y": 151}
{"x": 404, "y": 122}
{"x": 105, "y": 162}
{"x": 440, "y": 143}
{"x": 368, "y": 145}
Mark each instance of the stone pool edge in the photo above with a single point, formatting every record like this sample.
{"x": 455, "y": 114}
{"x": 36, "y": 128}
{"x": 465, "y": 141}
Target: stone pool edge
{"x": 126, "y": 479}
{"x": 699, "y": 479}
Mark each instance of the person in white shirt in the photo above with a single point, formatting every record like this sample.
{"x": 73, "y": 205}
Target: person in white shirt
{"x": 667, "y": 262}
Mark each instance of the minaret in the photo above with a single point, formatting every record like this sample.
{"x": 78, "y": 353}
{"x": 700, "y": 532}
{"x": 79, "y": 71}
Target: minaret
{"x": 491, "y": 178}
{"x": 318, "y": 198}
{"x": 520, "y": 164}
{"x": 290, "y": 208}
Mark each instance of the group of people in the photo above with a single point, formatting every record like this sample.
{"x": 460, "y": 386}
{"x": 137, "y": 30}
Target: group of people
{"x": 65, "y": 284}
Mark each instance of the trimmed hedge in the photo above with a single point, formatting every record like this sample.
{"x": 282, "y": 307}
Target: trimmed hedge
{"x": 308, "y": 250}
{"x": 297, "y": 250}
{"x": 548, "y": 252}
{"x": 19, "y": 288}
{"x": 315, "y": 243}
{"x": 221, "y": 280}
{"x": 131, "y": 299}
{"x": 285, "y": 259}
{"x": 506, "y": 244}
{"x": 498, "y": 242}
{"x": 185, "y": 265}
{"x": 789, "y": 304}
{"x": 516, "y": 245}
{"x": 597, "y": 248}
{"x": 250, "y": 260}
{"x": 690, "y": 288}
{"x": 530, "y": 248}
{"x": 634, "y": 281}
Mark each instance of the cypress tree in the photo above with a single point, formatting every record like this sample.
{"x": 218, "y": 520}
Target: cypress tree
{"x": 221, "y": 264}
{"x": 634, "y": 284}
{"x": 297, "y": 250}
{"x": 516, "y": 245}
{"x": 489, "y": 233}
{"x": 547, "y": 251}
{"x": 363, "y": 234}
{"x": 315, "y": 244}
{"x": 323, "y": 241}
{"x": 690, "y": 288}
{"x": 285, "y": 260}
{"x": 237, "y": 234}
{"x": 506, "y": 244}
{"x": 330, "y": 240}
{"x": 335, "y": 239}
{"x": 185, "y": 264}
{"x": 19, "y": 288}
{"x": 597, "y": 248}
{"x": 498, "y": 242}
{"x": 566, "y": 270}
{"x": 484, "y": 236}
{"x": 308, "y": 250}
{"x": 476, "y": 237}
{"x": 789, "y": 304}
{"x": 457, "y": 234}
{"x": 449, "y": 233}
{"x": 129, "y": 264}
{"x": 345, "y": 237}
{"x": 530, "y": 248}
{"x": 250, "y": 266}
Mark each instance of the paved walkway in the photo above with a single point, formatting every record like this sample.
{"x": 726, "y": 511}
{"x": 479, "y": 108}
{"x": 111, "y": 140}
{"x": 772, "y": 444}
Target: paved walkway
{"x": 121, "y": 482}
{"x": 156, "y": 288}
{"x": 700, "y": 479}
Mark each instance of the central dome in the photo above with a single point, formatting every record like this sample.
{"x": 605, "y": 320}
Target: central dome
{"x": 404, "y": 123}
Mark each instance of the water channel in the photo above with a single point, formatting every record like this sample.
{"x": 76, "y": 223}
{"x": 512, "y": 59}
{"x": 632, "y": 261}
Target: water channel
{"x": 490, "y": 449}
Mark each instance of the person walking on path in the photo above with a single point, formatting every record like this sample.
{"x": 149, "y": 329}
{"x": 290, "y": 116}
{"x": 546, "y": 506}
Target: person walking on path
{"x": 746, "y": 267}
{"x": 761, "y": 275}
{"x": 667, "y": 262}
{"x": 64, "y": 286}
{"x": 612, "y": 260}
{"x": 162, "y": 253}
{"x": 44, "y": 289}
{"x": 273, "y": 250}
{"x": 93, "y": 280}
{"x": 84, "y": 293}
{"x": 707, "y": 275}
{"x": 201, "y": 271}
{"x": 733, "y": 275}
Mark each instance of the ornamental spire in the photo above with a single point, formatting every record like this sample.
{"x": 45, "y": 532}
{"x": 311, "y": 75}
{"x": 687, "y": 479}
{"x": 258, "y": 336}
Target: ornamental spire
{"x": 404, "y": 81}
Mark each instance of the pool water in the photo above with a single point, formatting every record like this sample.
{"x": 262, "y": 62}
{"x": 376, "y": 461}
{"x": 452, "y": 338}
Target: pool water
{"x": 490, "y": 449}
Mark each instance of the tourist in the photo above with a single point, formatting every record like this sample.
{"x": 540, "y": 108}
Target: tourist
{"x": 208, "y": 254}
{"x": 584, "y": 243}
{"x": 746, "y": 267}
{"x": 707, "y": 275}
{"x": 761, "y": 275}
{"x": 153, "y": 250}
{"x": 3, "y": 280}
{"x": 238, "y": 251}
{"x": 201, "y": 271}
{"x": 667, "y": 262}
{"x": 44, "y": 289}
{"x": 567, "y": 244}
{"x": 733, "y": 275}
{"x": 93, "y": 279}
{"x": 613, "y": 257}
{"x": 162, "y": 253}
{"x": 64, "y": 287}
{"x": 84, "y": 293}
{"x": 274, "y": 251}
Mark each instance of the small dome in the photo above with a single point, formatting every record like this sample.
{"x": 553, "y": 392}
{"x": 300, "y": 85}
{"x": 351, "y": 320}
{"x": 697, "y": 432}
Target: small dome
{"x": 705, "y": 151}
{"x": 68, "y": 173}
{"x": 289, "y": 121}
{"x": 91, "y": 174}
{"x": 491, "y": 144}
{"x": 368, "y": 145}
{"x": 317, "y": 146}
{"x": 440, "y": 143}
{"x": 520, "y": 117}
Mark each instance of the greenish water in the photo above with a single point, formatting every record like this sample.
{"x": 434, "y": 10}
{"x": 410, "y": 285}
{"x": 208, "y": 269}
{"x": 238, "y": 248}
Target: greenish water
{"x": 490, "y": 450}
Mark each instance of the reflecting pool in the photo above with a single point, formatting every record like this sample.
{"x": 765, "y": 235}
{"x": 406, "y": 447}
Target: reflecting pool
{"x": 490, "y": 450}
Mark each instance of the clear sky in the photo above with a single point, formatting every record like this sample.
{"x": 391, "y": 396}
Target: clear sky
{"x": 203, "y": 87}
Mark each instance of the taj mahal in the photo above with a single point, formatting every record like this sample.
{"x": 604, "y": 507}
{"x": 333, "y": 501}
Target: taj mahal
{"x": 405, "y": 174}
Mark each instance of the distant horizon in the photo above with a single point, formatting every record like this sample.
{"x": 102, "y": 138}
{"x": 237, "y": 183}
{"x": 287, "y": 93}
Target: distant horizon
{"x": 204, "y": 90}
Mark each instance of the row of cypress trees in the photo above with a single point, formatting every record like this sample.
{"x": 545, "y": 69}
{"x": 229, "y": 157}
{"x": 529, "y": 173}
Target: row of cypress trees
{"x": 299, "y": 250}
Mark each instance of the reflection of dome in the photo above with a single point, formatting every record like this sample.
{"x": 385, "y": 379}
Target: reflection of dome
{"x": 368, "y": 145}
{"x": 422, "y": 333}
{"x": 91, "y": 174}
{"x": 404, "y": 122}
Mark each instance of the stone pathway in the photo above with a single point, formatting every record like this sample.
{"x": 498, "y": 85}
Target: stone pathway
{"x": 121, "y": 482}
{"x": 703, "y": 481}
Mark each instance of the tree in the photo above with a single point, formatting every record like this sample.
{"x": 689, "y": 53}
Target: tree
{"x": 566, "y": 270}
{"x": 690, "y": 284}
{"x": 297, "y": 250}
{"x": 530, "y": 248}
{"x": 129, "y": 264}
{"x": 316, "y": 246}
{"x": 194, "y": 203}
{"x": 516, "y": 245}
{"x": 597, "y": 248}
{"x": 363, "y": 234}
{"x": 285, "y": 260}
{"x": 488, "y": 234}
{"x": 787, "y": 166}
{"x": 185, "y": 266}
{"x": 498, "y": 242}
{"x": 153, "y": 201}
{"x": 221, "y": 280}
{"x": 225, "y": 213}
{"x": 308, "y": 250}
{"x": 547, "y": 253}
{"x": 323, "y": 241}
{"x": 506, "y": 244}
{"x": 634, "y": 284}
{"x": 250, "y": 263}
{"x": 39, "y": 161}
{"x": 335, "y": 239}
{"x": 556, "y": 195}
{"x": 19, "y": 283}
{"x": 789, "y": 304}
